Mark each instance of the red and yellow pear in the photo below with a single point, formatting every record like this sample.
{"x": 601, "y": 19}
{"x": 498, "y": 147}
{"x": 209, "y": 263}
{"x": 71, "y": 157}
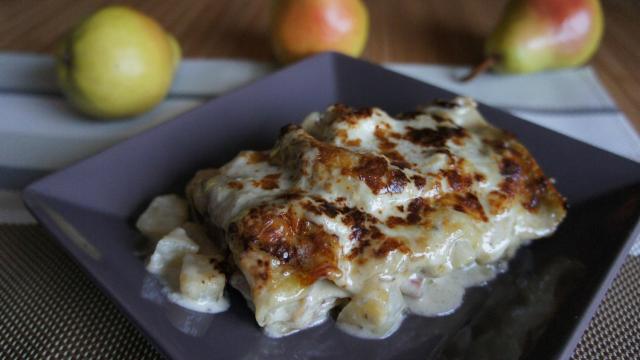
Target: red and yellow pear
{"x": 300, "y": 28}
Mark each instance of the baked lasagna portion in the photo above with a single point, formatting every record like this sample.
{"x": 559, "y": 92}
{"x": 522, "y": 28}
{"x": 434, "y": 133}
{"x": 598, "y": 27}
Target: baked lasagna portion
{"x": 368, "y": 213}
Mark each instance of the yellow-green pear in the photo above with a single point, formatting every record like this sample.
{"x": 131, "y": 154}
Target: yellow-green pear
{"x": 116, "y": 63}
{"x": 535, "y": 35}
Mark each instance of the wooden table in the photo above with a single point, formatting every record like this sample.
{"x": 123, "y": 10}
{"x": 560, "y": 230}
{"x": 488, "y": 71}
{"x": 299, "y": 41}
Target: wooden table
{"x": 435, "y": 31}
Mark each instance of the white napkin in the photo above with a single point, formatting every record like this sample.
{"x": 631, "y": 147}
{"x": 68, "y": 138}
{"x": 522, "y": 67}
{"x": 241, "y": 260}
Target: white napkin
{"x": 40, "y": 133}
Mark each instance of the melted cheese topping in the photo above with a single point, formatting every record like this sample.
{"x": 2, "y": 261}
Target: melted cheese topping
{"x": 365, "y": 207}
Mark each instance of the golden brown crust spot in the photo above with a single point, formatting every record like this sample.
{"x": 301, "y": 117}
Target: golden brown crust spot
{"x": 383, "y": 142}
{"x": 457, "y": 180}
{"x": 479, "y": 177}
{"x": 389, "y": 245}
{"x": 350, "y": 115}
{"x": 437, "y": 137}
{"x": 379, "y": 176}
{"x": 467, "y": 203}
{"x": 268, "y": 182}
{"x": 320, "y": 206}
{"x": 364, "y": 232}
{"x": 370, "y": 241}
{"x": 417, "y": 209}
{"x": 440, "y": 118}
{"x": 537, "y": 189}
{"x": 498, "y": 201}
{"x": 293, "y": 194}
{"x": 447, "y": 104}
{"x": 254, "y": 157}
{"x": 387, "y": 148}
{"x": 364, "y": 237}
{"x": 332, "y": 156}
{"x": 419, "y": 181}
{"x": 235, "y": 185}
{"x": 393, "y": 221}
{"x": 342, "y": 135}
{"x": 409, "y": 115}
{"x": 296, "y": 242}
{"x": 523, "y": 177}
{"x": 398, "y": 160}
{"x": 375, "y": 171}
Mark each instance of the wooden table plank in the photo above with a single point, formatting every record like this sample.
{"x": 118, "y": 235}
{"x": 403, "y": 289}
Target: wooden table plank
{"x": 445, "y": 32}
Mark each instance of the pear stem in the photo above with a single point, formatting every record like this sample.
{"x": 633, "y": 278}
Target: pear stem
{"x": 479, "y": 69}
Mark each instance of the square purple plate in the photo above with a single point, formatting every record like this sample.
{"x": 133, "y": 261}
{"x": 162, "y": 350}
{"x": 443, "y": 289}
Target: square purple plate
{"x": 536, "y": 310}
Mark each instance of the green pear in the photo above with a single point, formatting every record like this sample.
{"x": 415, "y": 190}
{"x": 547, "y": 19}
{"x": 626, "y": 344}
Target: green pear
{"x": 116, "y": 63}
{"x": 535, "y": 35}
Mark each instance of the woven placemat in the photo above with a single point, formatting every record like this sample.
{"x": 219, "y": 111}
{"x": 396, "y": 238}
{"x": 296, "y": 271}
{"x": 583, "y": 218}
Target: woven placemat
{"x": 50, "y": 309}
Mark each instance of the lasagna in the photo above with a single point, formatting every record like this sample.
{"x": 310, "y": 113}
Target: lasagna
{"x": 373, "y": 215}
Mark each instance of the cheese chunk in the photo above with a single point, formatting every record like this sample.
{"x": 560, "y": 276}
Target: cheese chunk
{"x": 192, "y": 272}
{"x": 374, "y": 312}
{"x": 203, "y": 283}
{"x": 165, "y": 213}
{"x": 166, "y": 260}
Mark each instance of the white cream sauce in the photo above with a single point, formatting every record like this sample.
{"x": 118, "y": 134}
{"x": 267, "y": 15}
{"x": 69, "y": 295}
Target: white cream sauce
{"x": 428, "y": 297}
{"x": 199, "y": 305}
{"x": 443, "y": 295}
